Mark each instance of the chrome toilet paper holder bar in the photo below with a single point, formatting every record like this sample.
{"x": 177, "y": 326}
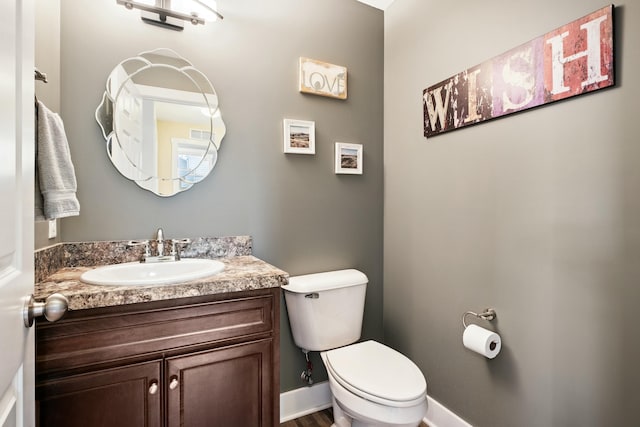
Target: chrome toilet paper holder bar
{"x": 487, "y": 314}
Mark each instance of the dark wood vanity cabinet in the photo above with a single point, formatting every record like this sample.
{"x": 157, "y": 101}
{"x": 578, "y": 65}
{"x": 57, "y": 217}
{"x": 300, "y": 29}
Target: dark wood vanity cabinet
{"x": 226, "y": 385}
{"x": 110, "y": 397}
{"x": 203, "y": 361}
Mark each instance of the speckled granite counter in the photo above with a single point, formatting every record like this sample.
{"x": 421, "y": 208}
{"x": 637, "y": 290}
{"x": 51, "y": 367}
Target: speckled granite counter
{"x": 241, "y": 273}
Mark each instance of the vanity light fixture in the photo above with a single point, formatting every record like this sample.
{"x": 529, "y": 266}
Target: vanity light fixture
{"x": 172, "y": 13}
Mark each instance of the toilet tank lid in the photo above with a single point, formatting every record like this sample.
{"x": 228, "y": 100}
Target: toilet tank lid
{"x": 324, "y": 281}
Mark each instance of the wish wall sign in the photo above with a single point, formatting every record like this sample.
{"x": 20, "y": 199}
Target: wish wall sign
{"x": 574, "y": 59}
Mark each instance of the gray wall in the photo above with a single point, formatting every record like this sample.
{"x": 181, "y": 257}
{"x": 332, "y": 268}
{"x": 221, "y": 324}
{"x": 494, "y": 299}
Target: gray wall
{"x": 535, "y": 214}
{"x": 47, "y": 60}
{"x": 303, "y": 217}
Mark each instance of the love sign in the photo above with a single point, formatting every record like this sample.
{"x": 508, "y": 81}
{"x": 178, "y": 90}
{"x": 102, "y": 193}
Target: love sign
{"x": 322, "y": 78}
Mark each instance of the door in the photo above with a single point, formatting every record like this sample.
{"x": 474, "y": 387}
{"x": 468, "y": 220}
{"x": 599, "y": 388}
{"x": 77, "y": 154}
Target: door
{"x": 129, "y": 396}
{"x": 17, "y": 130}
{"x": 229, "y": 386}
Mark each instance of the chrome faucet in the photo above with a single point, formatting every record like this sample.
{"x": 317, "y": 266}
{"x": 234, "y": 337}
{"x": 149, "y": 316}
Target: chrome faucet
{"x": 176, "y": 244}
{"x": 160, "y": 240}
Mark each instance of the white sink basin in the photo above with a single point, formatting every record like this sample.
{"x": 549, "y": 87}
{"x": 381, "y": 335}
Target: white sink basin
{"x": 160, "y": 273}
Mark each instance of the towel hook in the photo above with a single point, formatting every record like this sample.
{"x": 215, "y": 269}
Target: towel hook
{"x": 487, "y": 314}
{"x": 39, "y": 75}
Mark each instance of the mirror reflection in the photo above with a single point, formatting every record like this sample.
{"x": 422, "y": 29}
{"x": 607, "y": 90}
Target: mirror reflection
{"x": 160, "y": 118}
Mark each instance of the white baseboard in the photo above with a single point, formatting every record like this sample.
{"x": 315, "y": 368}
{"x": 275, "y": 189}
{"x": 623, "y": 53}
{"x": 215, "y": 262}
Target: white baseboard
{"x": 440, "y": 416}
{"x": 307, "y": 400}
{"x": 304, "y": 401}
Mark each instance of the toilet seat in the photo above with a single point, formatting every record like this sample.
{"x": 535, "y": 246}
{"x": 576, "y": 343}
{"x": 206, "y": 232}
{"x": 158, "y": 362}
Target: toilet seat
{"x": 377, "y": 373}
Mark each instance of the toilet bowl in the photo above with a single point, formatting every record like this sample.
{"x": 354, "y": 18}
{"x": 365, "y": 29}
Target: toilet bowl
{"x": 371, "y": 384}
{"x": 374, "y": 385}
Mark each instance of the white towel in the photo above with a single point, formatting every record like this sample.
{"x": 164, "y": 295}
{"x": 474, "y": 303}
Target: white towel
{"x": 55, "y": 172}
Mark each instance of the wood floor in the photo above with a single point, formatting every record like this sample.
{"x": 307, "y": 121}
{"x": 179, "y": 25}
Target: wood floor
{"x": 318, "y": 419}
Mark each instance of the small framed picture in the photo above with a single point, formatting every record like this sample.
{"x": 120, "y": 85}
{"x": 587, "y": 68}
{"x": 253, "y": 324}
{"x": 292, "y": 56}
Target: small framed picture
{"x": 299, "y": 137}
{"x": 348, "y": 158}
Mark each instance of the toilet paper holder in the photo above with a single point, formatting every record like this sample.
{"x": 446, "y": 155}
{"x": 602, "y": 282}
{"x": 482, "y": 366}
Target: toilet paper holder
{"x": 487, "y": 314}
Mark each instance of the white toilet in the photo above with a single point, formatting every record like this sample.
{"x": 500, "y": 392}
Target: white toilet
{"x": 371, "y": 384}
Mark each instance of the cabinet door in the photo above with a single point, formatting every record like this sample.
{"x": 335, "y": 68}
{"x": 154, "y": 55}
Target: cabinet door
{"x": 227, "y": 387}
{"x": 125, "y": 397}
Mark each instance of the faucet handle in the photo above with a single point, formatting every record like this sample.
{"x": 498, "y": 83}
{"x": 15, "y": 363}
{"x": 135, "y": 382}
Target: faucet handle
{"x": 133, "y": 243}
{"x": 176, "y": 242}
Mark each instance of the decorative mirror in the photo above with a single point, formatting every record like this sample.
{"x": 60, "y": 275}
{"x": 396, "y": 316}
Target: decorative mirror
{"x": 160, "y": 118}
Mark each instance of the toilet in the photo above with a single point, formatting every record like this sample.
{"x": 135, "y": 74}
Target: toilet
{"x": 371, "y": 384}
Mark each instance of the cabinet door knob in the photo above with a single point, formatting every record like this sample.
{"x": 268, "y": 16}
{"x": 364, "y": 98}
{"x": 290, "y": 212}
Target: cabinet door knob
{"x": 174, "y": 383}
{"x": 153, "y": 388}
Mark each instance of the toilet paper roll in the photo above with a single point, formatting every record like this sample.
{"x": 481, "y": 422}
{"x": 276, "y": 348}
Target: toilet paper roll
{"x": 482, "y": 341}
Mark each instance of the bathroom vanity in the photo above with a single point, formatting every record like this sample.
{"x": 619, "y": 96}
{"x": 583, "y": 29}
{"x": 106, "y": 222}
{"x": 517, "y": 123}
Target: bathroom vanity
{"x": 199, "y": 353}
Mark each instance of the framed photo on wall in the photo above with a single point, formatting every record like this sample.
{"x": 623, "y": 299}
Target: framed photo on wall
{"x": 348, "y": 158}
{"x": 299, "y": 136}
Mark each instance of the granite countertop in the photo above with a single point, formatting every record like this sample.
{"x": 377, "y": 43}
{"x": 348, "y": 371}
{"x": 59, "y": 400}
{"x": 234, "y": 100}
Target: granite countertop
{"x": 241, "y": 273}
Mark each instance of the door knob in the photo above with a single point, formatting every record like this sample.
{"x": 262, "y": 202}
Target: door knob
{"x": 153, "y": 388}
{"x": 53, "y": 308}
{"x": 174, "y": 383}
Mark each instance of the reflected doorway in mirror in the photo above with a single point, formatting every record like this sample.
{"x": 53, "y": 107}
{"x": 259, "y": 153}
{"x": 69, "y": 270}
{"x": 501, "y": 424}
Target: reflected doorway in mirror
{"x": 161, "y": 120}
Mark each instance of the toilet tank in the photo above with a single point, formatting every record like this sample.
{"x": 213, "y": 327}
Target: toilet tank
{"x": 325, "y": 309}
